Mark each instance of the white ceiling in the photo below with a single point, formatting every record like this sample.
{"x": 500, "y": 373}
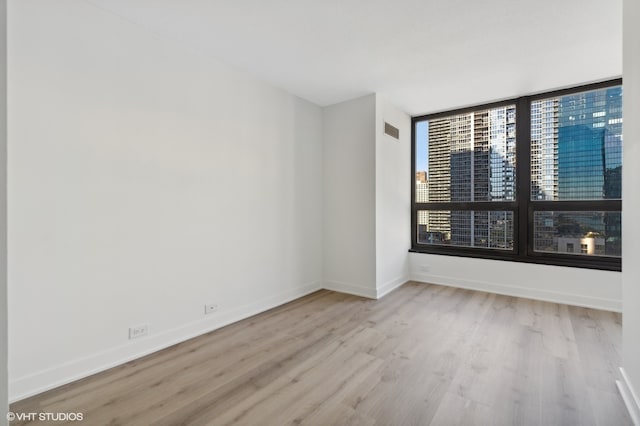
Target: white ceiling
{"x": 422, "y": 55}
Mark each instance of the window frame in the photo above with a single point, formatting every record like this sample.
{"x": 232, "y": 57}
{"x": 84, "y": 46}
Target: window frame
{"x": 523, "y": 207}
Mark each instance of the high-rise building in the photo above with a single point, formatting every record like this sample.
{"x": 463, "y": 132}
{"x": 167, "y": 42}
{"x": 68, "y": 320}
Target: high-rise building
{"x": 472, "y": 158}
{"x": 502, "y": 142}
{"x": 502, "y": 175}
{"x": 577, "y": 140}
{"x": 586, "y": 123}
{"x": 461, "y": 177}
{"x": 576, "y": 154}
{"x": 439, "y": 175}
{"x": 544, "y": 149}
{"x": 544, "y": 168}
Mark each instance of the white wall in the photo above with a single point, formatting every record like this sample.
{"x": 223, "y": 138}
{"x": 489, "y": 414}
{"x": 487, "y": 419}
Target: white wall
{"x": 144, "y": 181}
{"x": 349, "y": 197}
{"x": 3, "y": 213}
{"x": 631, "y": 206}
{"x": 367, "y": 197}
{"x": 574, "y": 286}
{"x": 393, "y": 197}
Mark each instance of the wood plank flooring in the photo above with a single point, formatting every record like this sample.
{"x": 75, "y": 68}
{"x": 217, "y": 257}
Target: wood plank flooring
{"x": 422, "y": 355}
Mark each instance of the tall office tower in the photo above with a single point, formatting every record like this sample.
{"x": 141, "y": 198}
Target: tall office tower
{"x": 613, "y": 145}
{"x": 577, "y": 142}
{"x": 439, "y": 159}
{"x": 462, "y": 177}
{"x": 479, "y": 150}
{"x": 502, "y": 179}
{"x": 544, "y": 168}
{"x": 439, "y": 163}
{"x": 576, "y": 145}
{"x": 480, "y": 164}
{"x": 589, "y": 152}
{"x": 613, "y": 169}
{"x": 581, "y": 121}
{"x": 544, "y": 149}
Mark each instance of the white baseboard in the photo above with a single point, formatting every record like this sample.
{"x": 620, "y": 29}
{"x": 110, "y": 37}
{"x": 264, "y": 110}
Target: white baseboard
{"x": 26, "y": 386}
{"x": 629, "y": 397}
{"x": 388, "y": 287}
{"x": 529, "y": 293}
{"x": 355, "y": 289}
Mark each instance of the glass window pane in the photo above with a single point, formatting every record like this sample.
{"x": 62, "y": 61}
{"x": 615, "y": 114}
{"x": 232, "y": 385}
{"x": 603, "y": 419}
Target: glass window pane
{"x": 581, "y": 233}
{"x": 464, "y": 228}
{"x": 576, "y": 146}
{"x": 467, "y": 157}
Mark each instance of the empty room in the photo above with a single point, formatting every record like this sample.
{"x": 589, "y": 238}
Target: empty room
{"x": 338, "y": 212}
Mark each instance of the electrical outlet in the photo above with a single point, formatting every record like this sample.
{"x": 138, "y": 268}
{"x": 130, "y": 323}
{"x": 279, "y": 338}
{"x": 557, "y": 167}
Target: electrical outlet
{"x": 425, "y": 268}
{"x": 210, "y": 308}
{"x": 138, "y": 331}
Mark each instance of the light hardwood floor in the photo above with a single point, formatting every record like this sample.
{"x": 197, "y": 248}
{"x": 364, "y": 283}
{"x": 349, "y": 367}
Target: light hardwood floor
{"x": 422, "y": 355}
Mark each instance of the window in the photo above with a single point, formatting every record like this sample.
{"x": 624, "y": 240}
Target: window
{"x": 533, "y": 179}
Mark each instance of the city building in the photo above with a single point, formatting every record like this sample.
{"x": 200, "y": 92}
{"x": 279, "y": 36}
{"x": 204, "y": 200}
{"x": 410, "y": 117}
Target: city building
{"x": 577, "y": 155}
{"x": 472, "y": 158}
{"x": 586, "y": 124}
{"x": 544, "y": 149}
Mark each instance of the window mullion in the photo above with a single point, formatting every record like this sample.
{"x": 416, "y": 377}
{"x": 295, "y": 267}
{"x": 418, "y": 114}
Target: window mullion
{"x": 523, "y": 176}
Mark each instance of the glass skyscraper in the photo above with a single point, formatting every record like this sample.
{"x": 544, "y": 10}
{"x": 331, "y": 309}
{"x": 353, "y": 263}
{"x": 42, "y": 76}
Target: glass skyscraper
{"x": 590, "y": 145}
{"x": 577, "y": 155}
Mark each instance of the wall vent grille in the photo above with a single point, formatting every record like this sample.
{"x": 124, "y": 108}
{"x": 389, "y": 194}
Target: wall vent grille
{"x": 391, "y": 130}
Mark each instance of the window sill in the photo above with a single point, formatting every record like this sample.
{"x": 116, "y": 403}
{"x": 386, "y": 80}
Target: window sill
{"x": 591, "y": 262}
